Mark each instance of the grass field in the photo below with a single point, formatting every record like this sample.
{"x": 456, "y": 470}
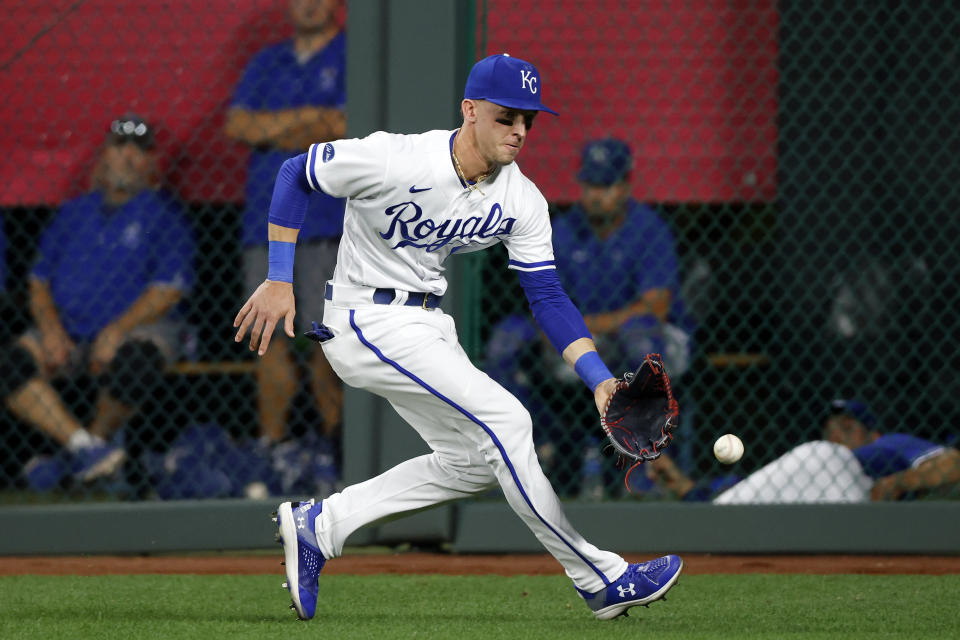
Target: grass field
{"x": 483, "y": 607}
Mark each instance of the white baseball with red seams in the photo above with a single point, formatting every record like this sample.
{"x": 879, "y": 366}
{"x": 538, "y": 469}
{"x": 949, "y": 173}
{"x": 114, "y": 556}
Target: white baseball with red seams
{"x": 728, "y": 448}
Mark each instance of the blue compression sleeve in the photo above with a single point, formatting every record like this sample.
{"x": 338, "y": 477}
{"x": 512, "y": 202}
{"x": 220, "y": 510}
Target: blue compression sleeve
{"x": 561, "y": 321}
{"x": 291, "y": 194}
{"x": 552, "y": 308}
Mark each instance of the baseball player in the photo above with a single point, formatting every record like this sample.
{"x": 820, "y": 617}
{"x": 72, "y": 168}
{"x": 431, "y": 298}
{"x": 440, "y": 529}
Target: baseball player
{"x": 413, "y": 201}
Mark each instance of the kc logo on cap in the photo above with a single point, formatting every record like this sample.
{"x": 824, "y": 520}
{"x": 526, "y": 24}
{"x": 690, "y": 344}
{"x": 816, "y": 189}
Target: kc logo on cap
{"x": 526, "y": 78}
{"x": 495, "y": 79}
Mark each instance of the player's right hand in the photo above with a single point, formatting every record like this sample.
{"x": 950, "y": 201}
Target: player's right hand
{"x": 271, "y": 302}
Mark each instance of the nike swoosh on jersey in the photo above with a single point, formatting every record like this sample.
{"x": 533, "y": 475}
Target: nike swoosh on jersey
{"x": 414, "y": 189}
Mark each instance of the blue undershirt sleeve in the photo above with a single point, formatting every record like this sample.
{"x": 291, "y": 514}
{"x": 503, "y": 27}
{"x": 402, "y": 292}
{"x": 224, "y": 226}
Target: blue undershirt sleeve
{"x": 552, "y": 308}
{"x": 291, "y": 194}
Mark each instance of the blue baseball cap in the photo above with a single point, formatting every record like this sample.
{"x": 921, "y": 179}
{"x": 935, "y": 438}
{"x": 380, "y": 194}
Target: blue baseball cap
{"x": 855, "y": 409}
{"x": 605, "y": 162}
{"x": 506, "y": 81}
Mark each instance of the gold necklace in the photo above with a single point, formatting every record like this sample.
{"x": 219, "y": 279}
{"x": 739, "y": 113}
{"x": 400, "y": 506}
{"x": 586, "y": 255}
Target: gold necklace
{"x": 476, "y": 183}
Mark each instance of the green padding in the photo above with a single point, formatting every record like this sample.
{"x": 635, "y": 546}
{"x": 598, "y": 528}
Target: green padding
{"x": 137, "y": 528}
{"x": 926, "y": 527}
{"x": 187, "y": 525}
{"x": 870, "y": 528}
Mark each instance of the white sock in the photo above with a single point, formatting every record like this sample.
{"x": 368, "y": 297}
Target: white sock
{"x": 82, "y": 439}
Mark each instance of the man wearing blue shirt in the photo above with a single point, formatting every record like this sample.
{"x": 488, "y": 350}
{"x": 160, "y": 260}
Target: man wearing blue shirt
{"x": 853, "y": 463}
{"x": 617, "y": 260}
{"x": 292, "y": 95}
{"x": 111, "y": 266}
{"x": 899, "y": 464}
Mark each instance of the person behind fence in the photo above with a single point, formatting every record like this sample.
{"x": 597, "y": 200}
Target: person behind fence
{"x": 112, "y": 265}
{"x": 291, "y": 95}
{"x": 617, "y": 259}
{"x": 854, "y": 462}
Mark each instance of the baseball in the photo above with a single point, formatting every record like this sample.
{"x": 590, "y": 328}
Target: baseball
{"x": 256, "y": 491}
{"x": 728, "y": 448}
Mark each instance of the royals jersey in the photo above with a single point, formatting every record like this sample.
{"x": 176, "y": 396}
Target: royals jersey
{"x": 408, "y": 210}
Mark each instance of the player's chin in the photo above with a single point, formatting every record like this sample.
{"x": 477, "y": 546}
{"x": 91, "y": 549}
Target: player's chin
{"x": 508, "y": 153}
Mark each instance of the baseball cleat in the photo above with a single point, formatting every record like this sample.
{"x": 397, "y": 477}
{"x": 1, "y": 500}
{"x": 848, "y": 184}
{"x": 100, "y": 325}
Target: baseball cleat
{"x": 639, "y": 585}
{"x": 303, "y": 558}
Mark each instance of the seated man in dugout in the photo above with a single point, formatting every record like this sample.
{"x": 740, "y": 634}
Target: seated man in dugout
{"x": 855, "y": 462}
{"x": 640, "y": 311}
{"x": 111, "y": 267}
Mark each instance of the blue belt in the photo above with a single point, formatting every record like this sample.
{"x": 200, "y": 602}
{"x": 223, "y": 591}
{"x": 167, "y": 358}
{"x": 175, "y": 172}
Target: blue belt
{"x": 387, "y": 296}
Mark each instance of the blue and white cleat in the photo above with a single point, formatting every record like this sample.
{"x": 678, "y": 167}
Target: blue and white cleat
{"x": 640, "y": 584}
{"x": 303, "y": 560}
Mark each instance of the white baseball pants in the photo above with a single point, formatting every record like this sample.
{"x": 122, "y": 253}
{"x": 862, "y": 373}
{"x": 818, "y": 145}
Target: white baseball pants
{"x": 480, "y": 434}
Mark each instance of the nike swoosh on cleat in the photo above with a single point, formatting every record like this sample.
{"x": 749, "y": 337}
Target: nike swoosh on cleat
{"x": 414, "y": 189}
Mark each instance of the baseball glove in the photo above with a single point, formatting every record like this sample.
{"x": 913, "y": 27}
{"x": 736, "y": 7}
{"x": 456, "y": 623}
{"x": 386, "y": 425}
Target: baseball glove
{"x": 641, "y": 414}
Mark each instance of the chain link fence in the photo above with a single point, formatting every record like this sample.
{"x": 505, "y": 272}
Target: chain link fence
{"x": 801, "y": 156}
{"x": 116, "y": 162}
{"x": 765, "y": 193}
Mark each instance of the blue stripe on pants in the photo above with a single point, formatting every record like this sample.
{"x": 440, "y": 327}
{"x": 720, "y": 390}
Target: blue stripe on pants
{"x": 483, "y": 426}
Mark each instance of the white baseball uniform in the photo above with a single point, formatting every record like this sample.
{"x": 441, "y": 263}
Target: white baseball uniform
{"x": 408, "y": 210}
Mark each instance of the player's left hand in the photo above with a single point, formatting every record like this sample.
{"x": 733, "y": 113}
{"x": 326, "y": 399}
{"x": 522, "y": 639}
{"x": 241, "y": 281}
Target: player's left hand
{"x": 601, "y": 395}
{"x": 270, "y": 303}
{"x": 641, "y": 413}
